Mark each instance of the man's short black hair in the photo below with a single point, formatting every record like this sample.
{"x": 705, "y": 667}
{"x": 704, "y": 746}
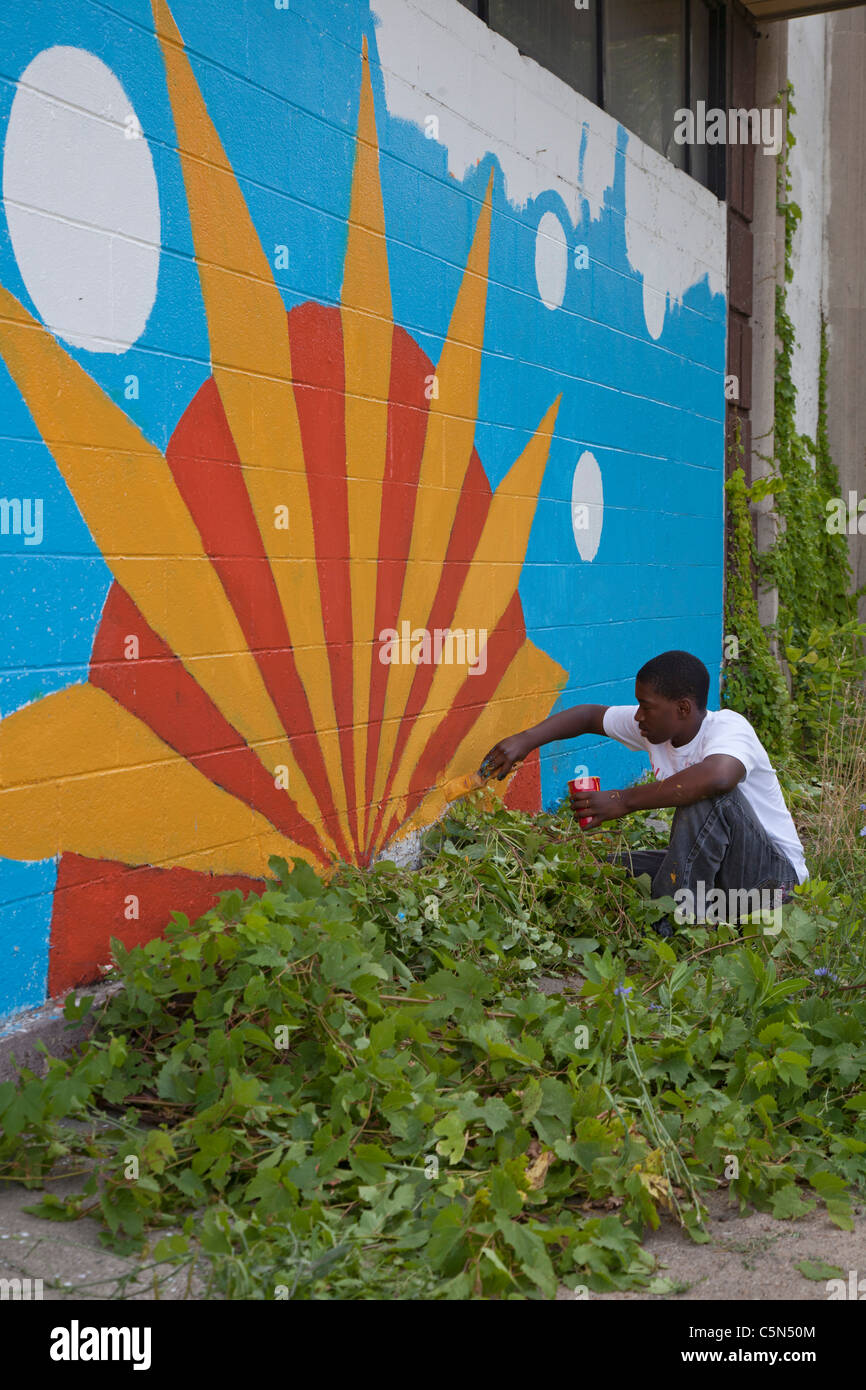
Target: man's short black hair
{"x": 675, "y": 675}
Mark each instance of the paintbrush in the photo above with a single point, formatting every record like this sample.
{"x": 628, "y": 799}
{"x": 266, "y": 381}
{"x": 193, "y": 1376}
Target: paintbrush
{"x": 469, "y": 781}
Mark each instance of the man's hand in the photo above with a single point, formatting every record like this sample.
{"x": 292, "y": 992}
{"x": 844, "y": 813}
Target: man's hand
{"x": 601, "y": 806}
{"x": 503, "y": 755}
{"x": 569, "y": 723}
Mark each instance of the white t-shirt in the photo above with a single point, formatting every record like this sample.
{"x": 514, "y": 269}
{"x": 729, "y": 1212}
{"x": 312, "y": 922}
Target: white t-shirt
{"x": 723, "y": 731}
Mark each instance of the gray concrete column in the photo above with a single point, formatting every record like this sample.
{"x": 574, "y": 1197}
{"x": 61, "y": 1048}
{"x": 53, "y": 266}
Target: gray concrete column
{"x": 845, "y": 259}
{"x": 769, "y": 250}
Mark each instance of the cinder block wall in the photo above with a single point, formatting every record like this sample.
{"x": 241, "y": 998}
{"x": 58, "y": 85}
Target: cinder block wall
{"x": 844, "y": 277}
{"x": 298, "y": 347}
{"x": 823, "y": 57}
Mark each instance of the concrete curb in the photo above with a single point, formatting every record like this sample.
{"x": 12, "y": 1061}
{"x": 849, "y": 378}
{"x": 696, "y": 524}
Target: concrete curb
{"x": 20, "y": 1034}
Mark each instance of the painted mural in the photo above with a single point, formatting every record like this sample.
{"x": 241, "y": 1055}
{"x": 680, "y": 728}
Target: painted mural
{"x": 323, "y": 469}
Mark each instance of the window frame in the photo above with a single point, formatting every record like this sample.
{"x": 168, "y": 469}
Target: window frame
{"x": 716, "y": 75}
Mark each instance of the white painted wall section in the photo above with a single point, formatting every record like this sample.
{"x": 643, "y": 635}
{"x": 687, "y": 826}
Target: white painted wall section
{"x": 439, "y": 59}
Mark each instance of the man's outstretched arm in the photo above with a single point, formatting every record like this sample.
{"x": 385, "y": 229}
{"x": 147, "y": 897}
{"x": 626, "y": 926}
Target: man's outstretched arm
{"x": 716, "y": 774}
{"x": 569, "y": 723}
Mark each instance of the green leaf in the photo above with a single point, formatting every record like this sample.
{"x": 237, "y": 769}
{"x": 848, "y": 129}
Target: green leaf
{"x": 788, "y": 1204}
{"x": 826, "y": 1182}
{"x": 552, "y": 1119}
{"x": 840, "y": 1213}
{"x": 77, "y": 1009}
{"x": 244, "y": 1090}
{"x": 582, "y": 945}
{"x": 368, "y": 1161}
{"x": 452, "y": 1143}
{"x": 819, "y": 1270}
{"x": 530, "y": 1252}
{"x": 533, "y": 1095}
{"x": 497, "y": 1114}
{"x": 53, "y": 1208}
{"x": 505, "y": 1195}
{"x": 791, "y": 1066}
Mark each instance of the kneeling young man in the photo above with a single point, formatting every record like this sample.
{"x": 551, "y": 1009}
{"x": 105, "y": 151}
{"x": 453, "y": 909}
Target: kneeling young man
{"x": 731, "y": 828}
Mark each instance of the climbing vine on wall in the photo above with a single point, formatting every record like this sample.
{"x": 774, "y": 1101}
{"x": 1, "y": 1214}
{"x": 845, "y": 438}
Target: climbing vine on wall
{"x": 807, "y": 564}
{"x": 836, "y": 570}
{"x": 753, "y": 684}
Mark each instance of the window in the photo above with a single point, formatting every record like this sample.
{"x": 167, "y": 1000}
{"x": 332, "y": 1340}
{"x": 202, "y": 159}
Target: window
{"x": 644, "y": 69}
{"x": 560, "y": 37}
{"x": 641, "y": 60}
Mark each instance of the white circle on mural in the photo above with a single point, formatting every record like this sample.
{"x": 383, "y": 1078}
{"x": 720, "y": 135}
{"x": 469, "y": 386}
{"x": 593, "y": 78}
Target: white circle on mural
{"x": 587, "y": 505}
{"x": 81, "y": 201}
{"x": 551, "y": 260}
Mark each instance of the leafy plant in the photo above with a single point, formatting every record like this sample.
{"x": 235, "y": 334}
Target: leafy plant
{"x": 827, "y": 668}
{"x": 478, "y": 1079}
{"x": 753, "y": 683}
{"x": 807, "y": 564}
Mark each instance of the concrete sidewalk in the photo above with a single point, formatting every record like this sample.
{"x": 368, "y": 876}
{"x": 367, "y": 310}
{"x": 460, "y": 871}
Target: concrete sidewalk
{"x": 70, "y": 1260}
{"x": 752, "y": 1257}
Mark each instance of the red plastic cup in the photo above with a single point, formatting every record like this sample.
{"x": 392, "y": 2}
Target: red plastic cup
{"x": 585, "y": 784}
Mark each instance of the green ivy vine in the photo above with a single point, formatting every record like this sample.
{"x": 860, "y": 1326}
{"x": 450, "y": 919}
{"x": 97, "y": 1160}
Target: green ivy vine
{"x": 753, "y": 684}
{"x": 839, "y": 601}
{"x": 807, "y": 564}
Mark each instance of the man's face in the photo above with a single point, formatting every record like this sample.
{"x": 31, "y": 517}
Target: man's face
{"x": 657, "y": 718}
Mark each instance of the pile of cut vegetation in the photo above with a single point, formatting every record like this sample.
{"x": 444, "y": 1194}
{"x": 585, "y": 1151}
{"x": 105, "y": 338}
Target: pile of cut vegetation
{"x": 357, "y": 1089}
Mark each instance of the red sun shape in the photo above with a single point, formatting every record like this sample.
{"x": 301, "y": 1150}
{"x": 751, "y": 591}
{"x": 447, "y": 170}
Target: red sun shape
{"x": 96, "y": 900}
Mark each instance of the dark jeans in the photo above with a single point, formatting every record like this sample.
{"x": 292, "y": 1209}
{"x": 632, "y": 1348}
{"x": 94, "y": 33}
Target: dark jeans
{"x": 715, "y": 843}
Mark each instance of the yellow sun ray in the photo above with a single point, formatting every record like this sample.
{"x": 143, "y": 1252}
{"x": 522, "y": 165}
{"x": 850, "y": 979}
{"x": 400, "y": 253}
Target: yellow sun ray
{"x": 251, "y": 364}
{"x": 79, "y": 772}
{"x": 128, "y": 498}
{"x": 368, "y": 332}
{"x": 448, "y": 446}
{"x": 530, "y": 686}
{"x": 111, "y": 789}
{"x": 490, "y": 584}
